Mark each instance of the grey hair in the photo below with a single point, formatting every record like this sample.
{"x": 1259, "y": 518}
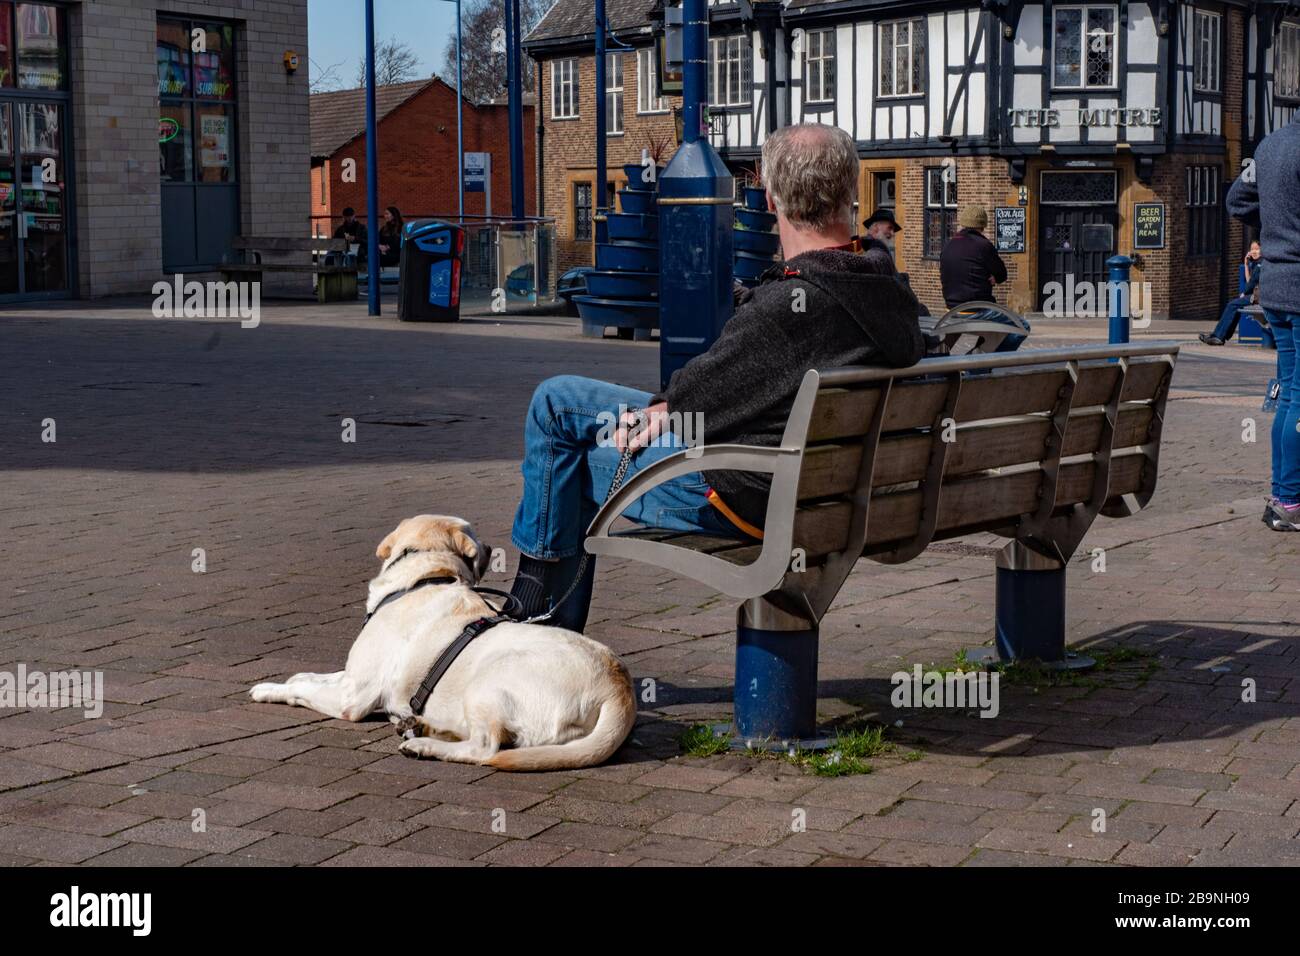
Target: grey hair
{"x": 811, "y": 173}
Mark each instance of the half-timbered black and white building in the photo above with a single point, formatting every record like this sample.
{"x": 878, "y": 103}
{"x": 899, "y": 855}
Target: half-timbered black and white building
{"x": 1115, "y": 126}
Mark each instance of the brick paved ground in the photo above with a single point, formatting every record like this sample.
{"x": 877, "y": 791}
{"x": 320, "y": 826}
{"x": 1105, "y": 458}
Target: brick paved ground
{"x": 177, "y": 435}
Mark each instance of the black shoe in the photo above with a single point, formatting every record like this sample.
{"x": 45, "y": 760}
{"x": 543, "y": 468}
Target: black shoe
{"x": 1209, "y": 339}
{"x": 541, "y": 586}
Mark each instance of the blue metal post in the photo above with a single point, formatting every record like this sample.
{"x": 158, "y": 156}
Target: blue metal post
{"x": 460, "y": 119}
{"x": 513, "y": 42}
{"x": 372, "y": 168}
{"x": 601, "y": 112}
{"x": 1030, "y": 611}
{"x": 1119, "y": 267}
{"x": 776, "y": 684}
{"x": 696, "y": 218}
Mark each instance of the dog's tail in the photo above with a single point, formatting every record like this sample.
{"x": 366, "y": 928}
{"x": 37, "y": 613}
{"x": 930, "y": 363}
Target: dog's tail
{"x": 613, "y": 724}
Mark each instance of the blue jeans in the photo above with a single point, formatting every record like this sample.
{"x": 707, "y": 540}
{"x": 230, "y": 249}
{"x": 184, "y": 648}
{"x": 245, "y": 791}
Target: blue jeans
{"x": 1286, "y": 438}
{"x": 1231, "y": 315}
{"x": 569, "y": 465}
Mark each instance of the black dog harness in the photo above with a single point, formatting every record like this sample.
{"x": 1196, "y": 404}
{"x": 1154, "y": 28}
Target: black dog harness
{"x": 509, "y": 611}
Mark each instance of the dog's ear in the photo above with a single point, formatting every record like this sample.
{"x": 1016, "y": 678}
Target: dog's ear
{"x": 482, "y": 560}
{"x": 475, "y": 555}
{"x": 385, "y": 549}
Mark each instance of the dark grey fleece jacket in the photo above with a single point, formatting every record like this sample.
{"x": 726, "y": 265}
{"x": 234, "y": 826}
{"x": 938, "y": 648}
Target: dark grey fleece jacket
{"x": 744, "y": 386}
{"x": 1277, "y": 176}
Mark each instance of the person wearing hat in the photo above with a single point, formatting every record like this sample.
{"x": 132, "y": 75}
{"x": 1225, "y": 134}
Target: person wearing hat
{"x": 881, "y": 227}
{"x": 970, "y": 266}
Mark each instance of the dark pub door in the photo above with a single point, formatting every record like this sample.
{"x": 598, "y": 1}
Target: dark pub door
{"x": 1077, "y": 216}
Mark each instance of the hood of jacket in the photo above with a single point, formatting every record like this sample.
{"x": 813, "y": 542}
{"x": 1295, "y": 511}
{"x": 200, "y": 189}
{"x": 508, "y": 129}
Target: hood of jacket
{"x": 882, "y": 306}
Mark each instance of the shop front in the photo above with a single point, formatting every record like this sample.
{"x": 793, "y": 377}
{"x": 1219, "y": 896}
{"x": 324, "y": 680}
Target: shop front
{"x": 35, "y": 152}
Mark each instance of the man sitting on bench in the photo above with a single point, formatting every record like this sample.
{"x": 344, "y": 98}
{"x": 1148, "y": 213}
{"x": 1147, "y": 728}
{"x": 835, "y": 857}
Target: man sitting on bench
{"x": 823, "y": 307}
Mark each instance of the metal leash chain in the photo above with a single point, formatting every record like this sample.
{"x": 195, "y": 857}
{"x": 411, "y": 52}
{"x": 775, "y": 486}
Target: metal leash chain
{"x": 620, "y": 473}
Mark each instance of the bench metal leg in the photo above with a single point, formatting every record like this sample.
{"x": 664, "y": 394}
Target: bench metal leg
{"x": 1030, "y": 617}
{"x": 776, "y": 678}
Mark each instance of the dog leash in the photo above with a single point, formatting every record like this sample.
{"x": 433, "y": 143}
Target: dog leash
{"x": 510, "y": 610}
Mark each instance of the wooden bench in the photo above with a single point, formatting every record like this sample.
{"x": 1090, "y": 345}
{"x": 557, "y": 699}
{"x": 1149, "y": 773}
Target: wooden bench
{"x": 335, "y": 270}
{"x": 879, "y": 463}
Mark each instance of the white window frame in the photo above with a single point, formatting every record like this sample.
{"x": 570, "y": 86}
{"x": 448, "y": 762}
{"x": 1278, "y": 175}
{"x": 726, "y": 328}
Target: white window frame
{"x": 892, "y": 27}
{"x": 1083, "y": 46}
{"x": 1286, "y": 62}
{"x": 1207, "y": 44}
{"x": 736, "y": 50}
{"x": 564, "y": 89}
{"x": 817, "y": 87}
{"x": 613, "y": 94}
{"x": 646, "y": 102}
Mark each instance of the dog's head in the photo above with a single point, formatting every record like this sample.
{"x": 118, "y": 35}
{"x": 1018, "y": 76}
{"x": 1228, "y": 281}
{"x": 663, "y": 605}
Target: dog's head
{"x": 453, "y": 538}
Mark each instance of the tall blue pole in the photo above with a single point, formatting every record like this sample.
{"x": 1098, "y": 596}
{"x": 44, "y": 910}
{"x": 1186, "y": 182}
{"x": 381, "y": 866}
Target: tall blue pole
{"x": 460, "y": 120}
{"x": 372, "y": 167}
{"x": 513, "y": 42}
{"x": 601, "y": 111}
{"x": 695, "y": 69}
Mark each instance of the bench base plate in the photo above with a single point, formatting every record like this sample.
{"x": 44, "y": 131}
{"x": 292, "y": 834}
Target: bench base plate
{"x": 770, "y": 744}
{"x": 987, "y": 656}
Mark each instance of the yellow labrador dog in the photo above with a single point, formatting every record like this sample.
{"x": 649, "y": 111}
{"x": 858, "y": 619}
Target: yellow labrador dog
{"x": 554, "y": 698}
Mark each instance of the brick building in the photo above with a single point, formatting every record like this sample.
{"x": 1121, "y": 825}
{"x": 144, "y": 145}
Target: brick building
{"x": 1094, "y": 128}
{"x": 417, "y": 152}
{"x": 145, "y": 136}
{"x": 635, "y": 118}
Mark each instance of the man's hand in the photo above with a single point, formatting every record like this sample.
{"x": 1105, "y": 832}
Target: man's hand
{"x": 654, "y": 418}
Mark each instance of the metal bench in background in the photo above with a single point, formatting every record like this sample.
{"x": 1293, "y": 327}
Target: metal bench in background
{"x": 975, "y": 327}
{"x": 879, "y": 463}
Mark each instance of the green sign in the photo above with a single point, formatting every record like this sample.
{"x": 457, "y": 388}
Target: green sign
{"x": 168, "y": 129}
{"x": 1148, "y": 225}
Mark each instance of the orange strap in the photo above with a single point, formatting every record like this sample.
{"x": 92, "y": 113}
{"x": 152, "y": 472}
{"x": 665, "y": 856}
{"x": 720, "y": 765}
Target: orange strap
{"x": 739, "y": 522}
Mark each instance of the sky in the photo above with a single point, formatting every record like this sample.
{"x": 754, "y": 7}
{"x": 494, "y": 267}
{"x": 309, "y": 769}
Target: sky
{"x": 337, "y": 32}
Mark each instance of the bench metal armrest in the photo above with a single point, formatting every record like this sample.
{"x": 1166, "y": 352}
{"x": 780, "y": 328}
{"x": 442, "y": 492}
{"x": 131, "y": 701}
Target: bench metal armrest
{"x": 739, "y": 581}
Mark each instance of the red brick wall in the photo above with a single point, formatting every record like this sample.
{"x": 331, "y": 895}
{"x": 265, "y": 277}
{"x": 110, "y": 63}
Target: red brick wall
{"x": 417, "y": 159}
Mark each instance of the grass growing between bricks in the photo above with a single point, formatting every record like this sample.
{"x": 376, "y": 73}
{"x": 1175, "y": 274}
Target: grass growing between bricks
{"x": 846, "y": 757}
{"x": 1114, "y": 665}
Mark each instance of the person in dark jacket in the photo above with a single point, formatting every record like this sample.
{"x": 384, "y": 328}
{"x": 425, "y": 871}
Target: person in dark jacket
{"x": 390, "y": 238}
{"x": 1275, "y": 173}
{"x": 1247, "y": 283}
{"x": 969, "y": 265}
{"x": 824, "y": 306}
{"x": 354, "y": 231}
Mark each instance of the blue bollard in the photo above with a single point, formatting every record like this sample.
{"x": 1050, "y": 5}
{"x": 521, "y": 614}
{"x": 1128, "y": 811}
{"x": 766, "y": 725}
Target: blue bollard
{"x": 1119, "y": 305}
{"x": 1030, "y": 612}
{"x": 776, "y": 684}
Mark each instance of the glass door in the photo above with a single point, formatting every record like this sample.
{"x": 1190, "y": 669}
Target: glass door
{"x": 34, "y": 203}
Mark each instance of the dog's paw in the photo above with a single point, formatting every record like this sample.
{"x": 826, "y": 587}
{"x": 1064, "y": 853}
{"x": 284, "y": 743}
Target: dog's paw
{"x": 408, "y": 728}
{"x": 263, "y": 692}
{"x": 416, "y": 747}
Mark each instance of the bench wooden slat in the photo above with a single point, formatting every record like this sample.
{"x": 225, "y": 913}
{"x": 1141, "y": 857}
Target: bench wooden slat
{"x": 847, "y": 412}
{"x": 973, "y": 504}
{"x": 833, "y": 469}
{"x": 287, "y": 267}
{"x": 288, "y": 244}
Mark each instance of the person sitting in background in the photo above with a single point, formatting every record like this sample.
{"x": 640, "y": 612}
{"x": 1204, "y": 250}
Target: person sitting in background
{"x": 390, "y": 238}
{"x": 969, "y": 265}
{"x": 354, "y": 231}
{"x": 881, "y": 228}
{"x": 1247, "y": 292}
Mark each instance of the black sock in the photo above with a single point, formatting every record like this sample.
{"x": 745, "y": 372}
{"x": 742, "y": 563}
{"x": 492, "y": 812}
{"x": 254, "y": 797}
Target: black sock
{"x": 531, "y": 585}
{"x": 572, "y": 613}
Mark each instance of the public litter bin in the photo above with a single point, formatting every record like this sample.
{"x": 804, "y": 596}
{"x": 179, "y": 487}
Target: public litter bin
{"x": 428, "y": 288}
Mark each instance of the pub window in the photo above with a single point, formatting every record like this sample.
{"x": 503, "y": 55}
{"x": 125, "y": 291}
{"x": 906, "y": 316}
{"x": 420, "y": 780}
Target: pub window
{"x": 730, "y": 68}
{"x": 1204, "y": 211}
{"x": 564, "y": 89}
{"x": 1286, "y": 71}
{"x": 940, "y": 209}
{"x": 886, "y": 196}
{"x": 582, "y": 211}
{"x": 646, "y": 100}
{"x": 613, "y": 94}
{"x": 1205, "y": 51}
{"x": 1083, "y": 47}
{"x": 902, "y": 58}
{"x": 819, "y": 76}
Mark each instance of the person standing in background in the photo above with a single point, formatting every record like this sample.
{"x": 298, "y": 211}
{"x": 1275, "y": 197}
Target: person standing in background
{"x": 1275, "y": 172}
